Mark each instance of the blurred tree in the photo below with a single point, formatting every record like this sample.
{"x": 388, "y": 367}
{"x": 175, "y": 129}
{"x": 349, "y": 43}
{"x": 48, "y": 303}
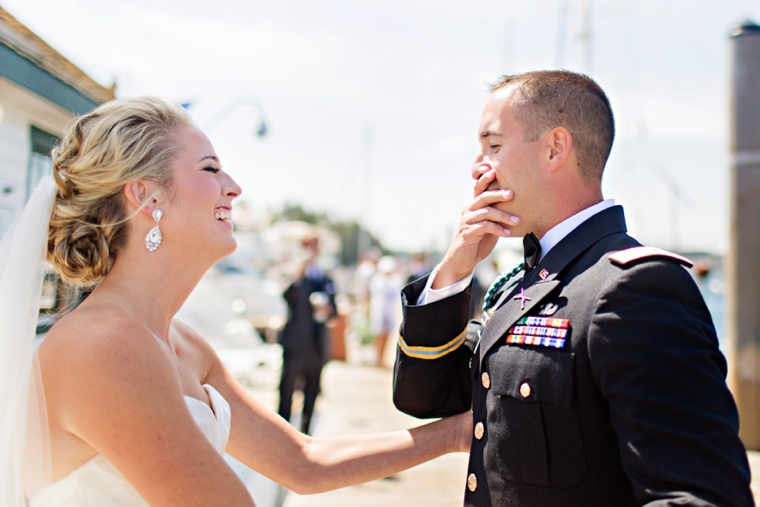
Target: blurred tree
{"x": 347, "y": 230}
{"x": 296, "y": 212}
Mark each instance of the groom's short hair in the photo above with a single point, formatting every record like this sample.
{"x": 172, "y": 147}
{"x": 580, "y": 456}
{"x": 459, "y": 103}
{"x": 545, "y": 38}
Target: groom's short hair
{"x": 559, "y": 98}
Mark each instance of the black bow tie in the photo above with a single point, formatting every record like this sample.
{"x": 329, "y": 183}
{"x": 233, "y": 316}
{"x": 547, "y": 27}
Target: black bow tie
{"x": 532, "y": 249}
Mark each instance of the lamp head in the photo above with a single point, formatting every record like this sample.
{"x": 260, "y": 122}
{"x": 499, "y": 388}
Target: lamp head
{"x": 262, "y": 130}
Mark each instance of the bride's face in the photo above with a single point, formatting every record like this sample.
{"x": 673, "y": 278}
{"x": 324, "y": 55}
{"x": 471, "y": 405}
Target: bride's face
{"x": 200, "y": 209}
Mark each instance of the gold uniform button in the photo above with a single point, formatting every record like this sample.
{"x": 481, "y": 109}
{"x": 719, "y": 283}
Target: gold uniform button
{"x": 525, "y": 390}
{"x": 472, "y": 482}
{"x": 486, "y": 380}
{"x": 479, "y": 430}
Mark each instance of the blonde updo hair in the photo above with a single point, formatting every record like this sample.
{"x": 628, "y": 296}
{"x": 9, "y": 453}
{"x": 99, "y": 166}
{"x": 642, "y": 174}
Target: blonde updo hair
{"x": 121, "y": 141}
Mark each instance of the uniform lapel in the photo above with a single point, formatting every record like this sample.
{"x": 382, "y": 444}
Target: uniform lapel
{"x": 508, "y": 313}
{"x": 599, "y": 226}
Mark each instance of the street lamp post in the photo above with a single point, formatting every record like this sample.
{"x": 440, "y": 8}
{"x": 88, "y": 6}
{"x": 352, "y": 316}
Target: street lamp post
{"x": 263, "y": 127}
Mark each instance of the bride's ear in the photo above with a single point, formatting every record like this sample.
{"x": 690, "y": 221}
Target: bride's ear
{"x": 140, "y": 194}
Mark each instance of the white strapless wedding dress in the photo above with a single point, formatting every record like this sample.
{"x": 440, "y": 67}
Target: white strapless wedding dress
{"x": 97, "y": 483}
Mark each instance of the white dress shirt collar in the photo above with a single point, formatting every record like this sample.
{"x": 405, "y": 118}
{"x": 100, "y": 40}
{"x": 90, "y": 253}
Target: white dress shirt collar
{"x": 562, "y": 229}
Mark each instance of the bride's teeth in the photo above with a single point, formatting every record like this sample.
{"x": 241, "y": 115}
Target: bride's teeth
{"x": 222, "y": 215}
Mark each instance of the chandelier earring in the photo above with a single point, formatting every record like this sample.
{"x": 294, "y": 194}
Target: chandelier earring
{"x": 154, "y": 238}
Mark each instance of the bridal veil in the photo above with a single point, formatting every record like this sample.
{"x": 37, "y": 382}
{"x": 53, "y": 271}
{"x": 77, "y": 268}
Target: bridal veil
{"x": 25, "y": 465}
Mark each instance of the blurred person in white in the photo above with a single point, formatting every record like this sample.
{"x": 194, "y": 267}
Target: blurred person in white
{"x": 135, "y": 408}
{"x": 384, "y": 307}
{"x": 365, "y": 270}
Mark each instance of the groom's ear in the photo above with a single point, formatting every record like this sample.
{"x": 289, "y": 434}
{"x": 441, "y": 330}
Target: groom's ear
{"x": 559, "y": 143}
{"x": 140, "y": 194}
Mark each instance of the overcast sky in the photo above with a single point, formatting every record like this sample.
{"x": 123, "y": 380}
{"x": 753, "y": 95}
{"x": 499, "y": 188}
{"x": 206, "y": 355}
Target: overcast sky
{"x": 373, "y": 106}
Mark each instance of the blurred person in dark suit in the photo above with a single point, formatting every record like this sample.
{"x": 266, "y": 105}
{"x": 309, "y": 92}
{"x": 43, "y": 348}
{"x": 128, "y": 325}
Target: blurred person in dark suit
{"x": 305, "y": 338}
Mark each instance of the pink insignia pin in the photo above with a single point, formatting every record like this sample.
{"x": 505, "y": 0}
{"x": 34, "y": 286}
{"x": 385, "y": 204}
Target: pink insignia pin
{"x": 523, "y": 298}
{"x": 544, "y": 274}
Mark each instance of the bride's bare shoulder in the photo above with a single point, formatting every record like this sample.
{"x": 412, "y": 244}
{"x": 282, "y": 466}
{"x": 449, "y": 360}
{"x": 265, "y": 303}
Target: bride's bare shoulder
{"x": 97, "y": 333}
{"x": 91, "y": 318}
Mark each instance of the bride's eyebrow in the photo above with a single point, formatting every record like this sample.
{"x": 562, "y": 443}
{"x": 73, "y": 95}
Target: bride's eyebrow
{"x": 212, "y": 157}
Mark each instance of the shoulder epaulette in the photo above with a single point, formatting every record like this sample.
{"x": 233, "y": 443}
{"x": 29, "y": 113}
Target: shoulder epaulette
{"x": 637, "y": 253}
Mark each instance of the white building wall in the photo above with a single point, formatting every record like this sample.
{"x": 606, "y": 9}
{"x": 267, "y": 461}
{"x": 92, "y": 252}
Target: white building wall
{"x": 20, "y": 110}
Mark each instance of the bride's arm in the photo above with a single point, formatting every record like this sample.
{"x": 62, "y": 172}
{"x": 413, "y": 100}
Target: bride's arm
{"x": 265, "y": 442}
{"x": 113, "y": 389}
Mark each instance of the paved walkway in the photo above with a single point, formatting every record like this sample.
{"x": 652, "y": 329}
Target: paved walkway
{"x": 357, "y": 399}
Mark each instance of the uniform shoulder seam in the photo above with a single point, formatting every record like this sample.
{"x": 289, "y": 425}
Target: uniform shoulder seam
{"x": 638, "y": 253}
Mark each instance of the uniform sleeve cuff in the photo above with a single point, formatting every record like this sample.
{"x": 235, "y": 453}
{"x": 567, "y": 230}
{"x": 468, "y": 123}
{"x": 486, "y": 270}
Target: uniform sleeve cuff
{"x": 430, "y": 295}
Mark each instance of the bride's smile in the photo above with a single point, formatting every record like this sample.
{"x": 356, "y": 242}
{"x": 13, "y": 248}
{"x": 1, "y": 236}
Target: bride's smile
{"x": 223, "y": 214}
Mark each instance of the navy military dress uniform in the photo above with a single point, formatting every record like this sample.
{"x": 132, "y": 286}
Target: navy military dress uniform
{"x": 597, "y": 382}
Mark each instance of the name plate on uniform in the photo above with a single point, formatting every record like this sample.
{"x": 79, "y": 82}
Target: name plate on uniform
{"x": 539, "y": 331}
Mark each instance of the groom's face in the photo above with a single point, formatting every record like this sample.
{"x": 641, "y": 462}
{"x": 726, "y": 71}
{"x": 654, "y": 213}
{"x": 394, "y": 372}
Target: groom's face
{"x": 515, "y": 161}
